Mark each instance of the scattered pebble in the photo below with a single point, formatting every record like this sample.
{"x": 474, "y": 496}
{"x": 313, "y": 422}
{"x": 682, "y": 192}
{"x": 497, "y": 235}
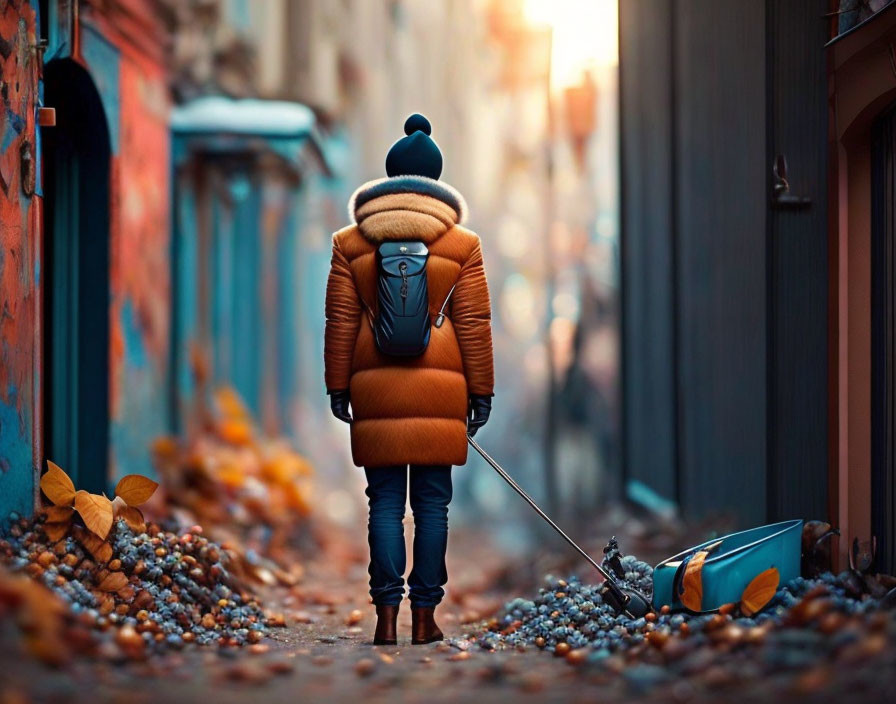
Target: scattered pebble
{"x": 365, "y": 667}
{"x": 143, "y": 592}
{"x": 807, "y": 623}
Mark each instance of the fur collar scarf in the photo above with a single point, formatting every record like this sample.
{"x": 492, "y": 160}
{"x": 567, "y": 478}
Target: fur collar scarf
{"x": 406, "y": 208}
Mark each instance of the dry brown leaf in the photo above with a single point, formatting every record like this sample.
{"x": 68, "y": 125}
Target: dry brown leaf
{"x": 58, "y": 514}
{"x": 57, "y": 485}
{"x": 135, "y": 489}
{"x": 692, "y": 596}
{"x": 57, "y": 531}
{"x": 133, "y": 517}
{"x": 113, "y": 582}
{"x": 59, "y": 521}
{"x": 96, "y": 511}
{"x": 760, "y": 591}
{"x": 100, "y": 549}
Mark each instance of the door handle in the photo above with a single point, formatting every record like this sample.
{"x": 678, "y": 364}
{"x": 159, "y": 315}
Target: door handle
{"x": 781, "y": 195}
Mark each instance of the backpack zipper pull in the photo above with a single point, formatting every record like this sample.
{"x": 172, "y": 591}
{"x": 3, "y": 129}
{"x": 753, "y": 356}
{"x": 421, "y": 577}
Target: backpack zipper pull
{"x": 403, "y": 269}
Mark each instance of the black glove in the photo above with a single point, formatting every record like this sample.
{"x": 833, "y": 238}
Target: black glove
{"x": 478, "y": 412}
{"x": 339, "y": 401}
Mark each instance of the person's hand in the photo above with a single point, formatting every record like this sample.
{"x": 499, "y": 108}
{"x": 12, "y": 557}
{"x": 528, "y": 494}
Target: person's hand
{"x": 339, "y": 401}
{"x": 478, "y": 411}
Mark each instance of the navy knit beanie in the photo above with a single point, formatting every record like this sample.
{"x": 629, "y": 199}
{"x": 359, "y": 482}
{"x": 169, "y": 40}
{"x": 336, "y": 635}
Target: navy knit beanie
{"x": 417, "y": 154}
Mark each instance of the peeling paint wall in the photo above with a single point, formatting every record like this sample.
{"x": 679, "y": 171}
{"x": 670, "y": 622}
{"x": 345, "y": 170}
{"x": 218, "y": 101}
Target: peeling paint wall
{"x": 19, "y": 261}
{"x": 132, "y": 82}
{"x": 121, "y": 45}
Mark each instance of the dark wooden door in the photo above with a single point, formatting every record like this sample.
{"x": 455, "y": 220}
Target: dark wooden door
{"x": 798, "y": 262}
{"x": 883, "y": 338}
{"x": 76, "y": 157}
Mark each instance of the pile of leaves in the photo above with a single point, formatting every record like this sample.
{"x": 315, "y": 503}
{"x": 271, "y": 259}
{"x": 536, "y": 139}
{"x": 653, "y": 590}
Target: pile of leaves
{"x": 135, "y": 587}
{"x": 250, "y": 491}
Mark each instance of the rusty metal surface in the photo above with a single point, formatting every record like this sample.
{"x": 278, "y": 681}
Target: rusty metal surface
{"x": 19, "y": 262}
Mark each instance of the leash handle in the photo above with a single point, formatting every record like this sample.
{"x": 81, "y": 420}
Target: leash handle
{"x": 519, "y": 490}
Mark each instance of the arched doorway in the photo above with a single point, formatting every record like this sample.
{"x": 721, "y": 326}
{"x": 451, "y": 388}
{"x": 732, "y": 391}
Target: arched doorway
{"x": 76, "y": 157}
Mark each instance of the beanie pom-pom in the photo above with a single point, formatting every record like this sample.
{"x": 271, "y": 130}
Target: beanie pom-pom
{"x": 417, "y": 122}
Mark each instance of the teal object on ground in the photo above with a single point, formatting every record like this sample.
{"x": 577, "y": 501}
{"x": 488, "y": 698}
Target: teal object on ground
{"x": 733, "y": 563}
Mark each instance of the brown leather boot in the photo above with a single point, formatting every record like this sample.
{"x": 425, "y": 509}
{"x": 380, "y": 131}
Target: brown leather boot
{"x": 386, "y": 631}
{"x": 423, "y": 626}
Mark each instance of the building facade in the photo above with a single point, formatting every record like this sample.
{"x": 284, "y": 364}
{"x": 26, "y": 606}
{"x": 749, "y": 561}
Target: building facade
{"x": 93, "y": 308}
{"x": 85, "y": 266}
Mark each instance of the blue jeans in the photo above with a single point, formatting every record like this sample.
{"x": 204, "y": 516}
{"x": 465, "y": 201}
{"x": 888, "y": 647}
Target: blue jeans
{"x": 430, "y": 495}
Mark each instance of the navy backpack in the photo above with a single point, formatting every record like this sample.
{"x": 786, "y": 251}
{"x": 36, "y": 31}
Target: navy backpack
{"x": 401, "y": 326}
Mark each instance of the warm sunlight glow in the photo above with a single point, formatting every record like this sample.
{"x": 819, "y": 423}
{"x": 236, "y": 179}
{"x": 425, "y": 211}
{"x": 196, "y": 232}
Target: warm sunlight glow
{"x": 585, "y": 34}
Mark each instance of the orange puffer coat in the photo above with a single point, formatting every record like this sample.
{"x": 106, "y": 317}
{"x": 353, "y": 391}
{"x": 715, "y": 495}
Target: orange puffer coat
{"x": 409, "y": 410}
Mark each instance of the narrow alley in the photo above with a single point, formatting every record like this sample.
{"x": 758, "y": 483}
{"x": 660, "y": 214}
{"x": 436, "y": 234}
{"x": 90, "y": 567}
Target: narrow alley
{"x": 282, "y": 281}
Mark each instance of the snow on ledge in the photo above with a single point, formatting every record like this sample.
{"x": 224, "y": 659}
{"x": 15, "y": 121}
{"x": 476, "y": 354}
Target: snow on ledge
{"x": 217, "y": 114}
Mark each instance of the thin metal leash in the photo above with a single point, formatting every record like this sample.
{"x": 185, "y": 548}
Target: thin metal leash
{"x": 611, "y": 592}
{"x": 519, "y": 490}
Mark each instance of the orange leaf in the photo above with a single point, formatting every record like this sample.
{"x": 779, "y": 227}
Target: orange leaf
{"x": 59, "y": 520}
{"x": 231, "y": 476}
{"x": 230, "y": 404}
{"x": 58, "y": 514}
{"x": 133, "y": 517}
{"x": 165, "y": 447}
{"x": 235, "y": 431}
{"x": 760, "y": 591}
{"x": 113, "y": 582}
{"x": 96, "y": 511}
{"x": 136, "y": 489}
{"x": 57, "y": 531}
{"x": 57, "y": 485}
{"x": 692, "y": 596}
{"x": 100, "y": 549}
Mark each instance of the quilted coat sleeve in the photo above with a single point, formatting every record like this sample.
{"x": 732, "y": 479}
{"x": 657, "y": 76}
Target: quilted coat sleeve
{"x": 343, "y": 314}
{"x": 472, "y": 318}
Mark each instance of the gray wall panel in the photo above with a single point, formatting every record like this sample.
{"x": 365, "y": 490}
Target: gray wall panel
{"x": 647, "y": 234}
{"x": 721, "y": 177}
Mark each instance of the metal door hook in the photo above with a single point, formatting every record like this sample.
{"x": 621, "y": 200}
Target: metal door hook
{"x": 781, "y": 195}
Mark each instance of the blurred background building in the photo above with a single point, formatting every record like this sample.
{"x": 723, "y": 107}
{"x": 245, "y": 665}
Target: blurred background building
{"x": 522, "y": 143}
{"x": 194, "y": 159}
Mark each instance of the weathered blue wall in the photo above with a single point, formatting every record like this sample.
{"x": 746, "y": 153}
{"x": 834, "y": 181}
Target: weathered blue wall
{"x": 19, "y": 262}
